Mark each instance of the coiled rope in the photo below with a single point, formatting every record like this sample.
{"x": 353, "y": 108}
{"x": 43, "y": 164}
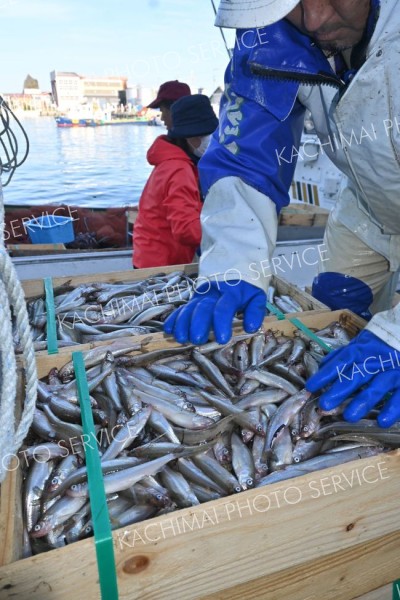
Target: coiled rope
{"x": 12, "y": 304}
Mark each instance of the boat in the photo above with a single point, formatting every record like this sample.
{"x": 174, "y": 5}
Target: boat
{"x": 69, "y": 122}
{"x": 63, "y": 121}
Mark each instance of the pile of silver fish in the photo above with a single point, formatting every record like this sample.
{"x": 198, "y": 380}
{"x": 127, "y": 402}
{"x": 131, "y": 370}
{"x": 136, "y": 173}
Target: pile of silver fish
{"x": 102, "y": 311}
{"x": 285, "y": 302}
{"x": 183, "y": 425}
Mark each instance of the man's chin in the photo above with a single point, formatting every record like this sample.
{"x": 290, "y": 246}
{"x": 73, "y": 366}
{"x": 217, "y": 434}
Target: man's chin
{"x": 333, "y": 47}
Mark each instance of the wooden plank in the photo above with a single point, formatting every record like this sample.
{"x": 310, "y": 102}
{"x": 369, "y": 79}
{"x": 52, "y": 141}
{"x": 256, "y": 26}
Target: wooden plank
{"x": 382, "y": 593}
{"x": 11, "y": 516}
{"x": 264, "y": 534}
{"x": 296, "y": 220}
{"x": 303, "y": 215}
{"x": 304, "y": 208}
{"x": 36, "y": 247}
{"x": 11, "y": 503}
{"x": 335, "y": 577}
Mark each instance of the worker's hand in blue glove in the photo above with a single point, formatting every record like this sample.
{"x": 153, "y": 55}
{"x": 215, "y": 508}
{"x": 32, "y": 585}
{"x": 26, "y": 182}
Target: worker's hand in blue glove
{"x": 214, "y": 305}
{"x": 367, "y": 361}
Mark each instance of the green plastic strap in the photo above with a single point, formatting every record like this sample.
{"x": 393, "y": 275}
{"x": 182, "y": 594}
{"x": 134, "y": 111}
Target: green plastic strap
{"x": 97, "y": 496}
{"x": 297, "y": 323}
{"x": 272, "y": 309}
{"x": 396, "y": 590}
{"x": 52, "y": 344}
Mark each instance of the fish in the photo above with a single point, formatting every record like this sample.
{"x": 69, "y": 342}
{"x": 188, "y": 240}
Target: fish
{"x": 97, "y": 355}
{"x": 242, "y": 462}
{"x": 178, "y": 426}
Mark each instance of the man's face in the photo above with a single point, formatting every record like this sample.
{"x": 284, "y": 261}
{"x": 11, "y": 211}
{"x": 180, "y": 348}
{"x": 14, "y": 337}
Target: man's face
{"x": 166, "y": 115}
{"x": 332, "y": 24}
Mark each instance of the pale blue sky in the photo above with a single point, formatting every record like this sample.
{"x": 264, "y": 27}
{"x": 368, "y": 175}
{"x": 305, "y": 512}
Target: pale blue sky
{"x": 150, "y": 41}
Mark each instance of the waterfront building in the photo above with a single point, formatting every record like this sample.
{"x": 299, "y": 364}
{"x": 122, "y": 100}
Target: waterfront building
{"x": 71, "y": 90}
{"x": 31, "y": 102}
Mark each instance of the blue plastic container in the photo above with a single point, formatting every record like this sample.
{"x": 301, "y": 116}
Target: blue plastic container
{"x": 50, "y": 229}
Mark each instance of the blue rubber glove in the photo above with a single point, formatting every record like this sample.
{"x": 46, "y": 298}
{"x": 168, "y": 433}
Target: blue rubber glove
{"x": 366, "y": 361}
{"x": 343, "y": 291}
{"x": 213, "y": 306}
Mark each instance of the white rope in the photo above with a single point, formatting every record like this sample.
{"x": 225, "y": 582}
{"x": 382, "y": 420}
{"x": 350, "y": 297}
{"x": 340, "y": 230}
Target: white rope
{"x": 12, "y": 296}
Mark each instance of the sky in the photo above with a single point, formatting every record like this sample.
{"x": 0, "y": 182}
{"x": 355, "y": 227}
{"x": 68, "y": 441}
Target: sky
{"x": 149, "y": 41}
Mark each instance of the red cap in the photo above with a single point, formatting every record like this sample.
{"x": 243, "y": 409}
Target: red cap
{"x": 170, "y": 91}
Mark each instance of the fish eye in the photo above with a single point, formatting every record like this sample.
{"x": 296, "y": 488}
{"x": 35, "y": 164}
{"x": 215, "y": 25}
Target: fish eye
{"x": 259, "y": 428}
{"x": 294, "y": 432}
{"x": 37, "y": 527}
{"x": 250, "y": 482}
{"x": 238, "y": 488}
{"x": 55, "y": 480}
{"x": 296, "y": 459}
{"x": 74, "y": 487}
{"x": 159, "y": 497}
{"x": 305, "y": 428}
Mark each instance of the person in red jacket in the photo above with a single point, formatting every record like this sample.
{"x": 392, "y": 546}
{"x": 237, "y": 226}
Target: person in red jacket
{"x": 167, "y": 230}
{"x": 168, "y": 93}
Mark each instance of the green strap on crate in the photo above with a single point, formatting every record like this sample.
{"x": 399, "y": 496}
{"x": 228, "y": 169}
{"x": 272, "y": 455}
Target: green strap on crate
{"x": 98, "y": 503}
{"x": 297, "y": 323}
{"x": 52, "y": 344}
{"x": 396, "y": 590}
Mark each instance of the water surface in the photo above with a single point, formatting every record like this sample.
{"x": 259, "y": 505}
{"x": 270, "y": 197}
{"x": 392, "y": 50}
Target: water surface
{"x": 85, "y": 166}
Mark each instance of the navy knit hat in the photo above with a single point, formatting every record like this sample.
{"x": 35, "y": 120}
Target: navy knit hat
{"x": 192, "y": 116}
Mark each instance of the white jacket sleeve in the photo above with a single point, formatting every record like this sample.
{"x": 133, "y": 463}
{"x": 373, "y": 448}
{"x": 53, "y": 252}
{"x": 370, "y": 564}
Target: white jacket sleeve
{"x": 386, "y": 325}
{"x": 239, "y": 229}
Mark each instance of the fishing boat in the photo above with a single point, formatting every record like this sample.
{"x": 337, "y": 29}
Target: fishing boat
{"x": 63, "y": 121}
{"x": 70, "y": 122}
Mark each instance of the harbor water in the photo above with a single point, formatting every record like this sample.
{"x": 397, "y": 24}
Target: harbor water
{"x": 94, "y": 167}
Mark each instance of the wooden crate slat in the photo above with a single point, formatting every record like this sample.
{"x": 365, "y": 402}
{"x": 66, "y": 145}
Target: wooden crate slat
{"x": 232, "y": 550}
{"x": 11, "y": 500}
{"x": 382, "y": 593}
{"x": 336, "y": 577}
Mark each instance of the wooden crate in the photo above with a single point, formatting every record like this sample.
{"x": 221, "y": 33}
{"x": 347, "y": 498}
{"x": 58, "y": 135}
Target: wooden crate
{"x": 283, "y": 541}
{"x": 306, "y": 301}
{"x": 35, "y": 287}
{"x": 303, "y": 215}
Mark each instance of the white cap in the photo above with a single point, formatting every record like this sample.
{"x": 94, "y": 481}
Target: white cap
{"x": 240, "y": 14}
